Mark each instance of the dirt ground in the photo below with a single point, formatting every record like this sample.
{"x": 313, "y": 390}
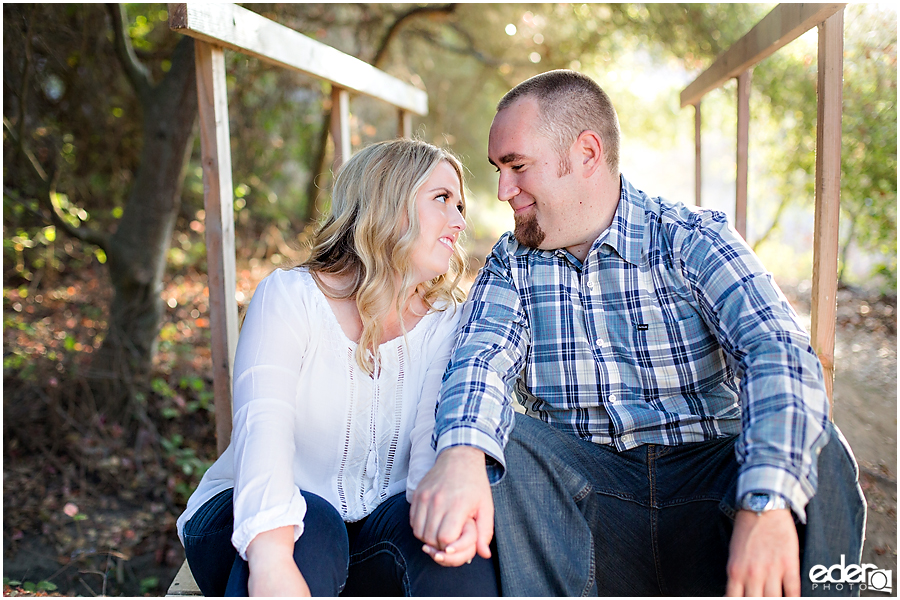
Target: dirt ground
{"x": 128, "y": 546}
{"x": 865, "y": 409}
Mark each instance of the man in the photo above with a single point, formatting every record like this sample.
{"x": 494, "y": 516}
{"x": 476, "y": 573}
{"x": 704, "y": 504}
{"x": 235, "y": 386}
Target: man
{"x": 676, "y": 413}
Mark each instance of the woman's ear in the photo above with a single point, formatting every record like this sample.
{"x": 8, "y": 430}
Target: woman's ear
{"x": 589, "y": 148}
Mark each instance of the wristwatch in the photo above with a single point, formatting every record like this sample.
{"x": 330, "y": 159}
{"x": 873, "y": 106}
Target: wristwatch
{"x": 760, "y": 502}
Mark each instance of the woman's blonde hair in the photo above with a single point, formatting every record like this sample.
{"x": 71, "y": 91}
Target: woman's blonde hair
{"x": 371, "y": 233}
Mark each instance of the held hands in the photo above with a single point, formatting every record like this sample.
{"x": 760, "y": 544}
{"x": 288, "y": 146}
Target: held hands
{"x": 764, "y": 556}
{"x": 273, "y": 571}
{"x": 452, "y": 510}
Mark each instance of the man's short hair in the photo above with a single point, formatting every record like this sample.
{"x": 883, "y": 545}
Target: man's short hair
{"x": 569, "y": 104}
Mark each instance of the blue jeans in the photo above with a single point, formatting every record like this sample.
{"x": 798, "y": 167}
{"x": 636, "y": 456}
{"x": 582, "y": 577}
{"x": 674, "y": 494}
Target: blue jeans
{"x": 574, "y": 518}
{"x": 378, "y": 556}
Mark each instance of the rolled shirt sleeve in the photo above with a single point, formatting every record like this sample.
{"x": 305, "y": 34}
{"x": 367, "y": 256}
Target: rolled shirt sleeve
{"x": 267, "y": 367}
{"x": 475, "y": 404}
{"x": 784, "y": 405}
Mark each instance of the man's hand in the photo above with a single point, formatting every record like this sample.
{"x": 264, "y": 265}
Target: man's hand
{"x": 452, "y": 497}
{"x": 273, "y": 571}
{"x": 764, "y": 556}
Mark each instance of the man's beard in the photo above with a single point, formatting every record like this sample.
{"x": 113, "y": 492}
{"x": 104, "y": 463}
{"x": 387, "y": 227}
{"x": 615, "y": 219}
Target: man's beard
{"x": 528, "y": 231}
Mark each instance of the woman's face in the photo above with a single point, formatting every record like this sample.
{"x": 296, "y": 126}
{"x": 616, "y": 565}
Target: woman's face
{"x": 440, "y": 204}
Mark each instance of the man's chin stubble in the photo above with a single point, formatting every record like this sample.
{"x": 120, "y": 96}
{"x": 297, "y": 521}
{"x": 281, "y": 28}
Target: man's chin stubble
{"x": 528, "y": 232}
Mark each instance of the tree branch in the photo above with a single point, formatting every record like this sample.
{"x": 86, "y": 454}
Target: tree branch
{"x": 469, "y": 50}
{"x": 47, "y": 198}
{"x": 394, "y": 29}
{"x": 137, "y": 73}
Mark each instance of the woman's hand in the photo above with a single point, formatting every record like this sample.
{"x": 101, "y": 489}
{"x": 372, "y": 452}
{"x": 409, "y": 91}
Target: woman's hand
{"x": 462, "y": 551}
{"x": 273, "y": 571}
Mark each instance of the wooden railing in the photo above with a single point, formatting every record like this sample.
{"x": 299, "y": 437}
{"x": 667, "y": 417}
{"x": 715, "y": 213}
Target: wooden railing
{"x": 216, "y": 27}
{"x": 785, "y": 23}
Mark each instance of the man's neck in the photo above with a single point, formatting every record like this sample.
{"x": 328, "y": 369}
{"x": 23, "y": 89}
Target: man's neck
{"x": 609, "y": 191}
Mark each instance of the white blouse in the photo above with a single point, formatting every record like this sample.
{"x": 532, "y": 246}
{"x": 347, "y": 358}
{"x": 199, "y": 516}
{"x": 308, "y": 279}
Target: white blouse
{"x": 306, "y": 417}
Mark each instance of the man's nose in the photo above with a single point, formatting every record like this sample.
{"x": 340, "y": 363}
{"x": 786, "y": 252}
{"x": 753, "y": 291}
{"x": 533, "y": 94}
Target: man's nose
{"x": 507, "y": 188}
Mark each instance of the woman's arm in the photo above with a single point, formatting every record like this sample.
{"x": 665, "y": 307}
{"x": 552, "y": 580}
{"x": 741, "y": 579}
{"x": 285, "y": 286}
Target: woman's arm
{"x": 272, "y": 568}
{"x": 268, "y": 506}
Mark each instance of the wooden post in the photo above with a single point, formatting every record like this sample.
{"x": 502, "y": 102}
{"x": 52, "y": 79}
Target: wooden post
{"x": 405, "y": 124}
{"x": 743, "y": 152}
{"x": 697, "y": 162}
{"x": 218, "y": 203}
{"x": 340, "y": 126}
{"x": 828, "y": 193}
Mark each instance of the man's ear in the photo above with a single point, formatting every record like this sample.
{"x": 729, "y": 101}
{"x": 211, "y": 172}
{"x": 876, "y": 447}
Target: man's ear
{"x": 589, "y": 148}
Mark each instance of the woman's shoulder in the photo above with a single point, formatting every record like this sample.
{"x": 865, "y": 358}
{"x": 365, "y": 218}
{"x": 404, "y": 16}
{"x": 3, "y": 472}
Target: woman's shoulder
{"x": 294, "y": 280}
{"x": 293, "y": 286}
{"x": 443, "y": 316}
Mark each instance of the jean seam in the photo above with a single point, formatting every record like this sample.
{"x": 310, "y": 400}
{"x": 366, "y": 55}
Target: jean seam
{"x": 381, "y": 548}
{"x": 653, "y": 515}
{"x": 592, "y": 573}
{"x": 205, "y": 534}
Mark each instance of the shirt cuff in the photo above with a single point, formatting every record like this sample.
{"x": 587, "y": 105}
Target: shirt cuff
{"x": 267, "y": 520}
{"x": 471, "y": 435}
{"x": 771, "y": 479}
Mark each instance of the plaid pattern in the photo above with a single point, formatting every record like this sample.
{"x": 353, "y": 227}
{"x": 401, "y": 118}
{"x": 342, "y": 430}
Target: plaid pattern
{"x": 670, "y": 332}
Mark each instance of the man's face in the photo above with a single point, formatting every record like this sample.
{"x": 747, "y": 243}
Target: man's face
{"x": 530, "y": 180}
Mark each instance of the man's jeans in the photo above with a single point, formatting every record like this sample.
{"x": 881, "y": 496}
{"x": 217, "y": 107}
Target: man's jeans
{"x": 574, "y": 518}
{"x": 378, "y": 556}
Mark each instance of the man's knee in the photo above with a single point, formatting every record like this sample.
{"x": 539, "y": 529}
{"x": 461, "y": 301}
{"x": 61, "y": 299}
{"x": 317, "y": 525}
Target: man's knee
{"x": 836, "y": 456}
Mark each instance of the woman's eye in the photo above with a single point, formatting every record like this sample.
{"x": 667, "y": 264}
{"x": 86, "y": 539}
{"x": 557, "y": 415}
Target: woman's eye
{"x": 460, "y": 208}
{"x": 443, "y": 198}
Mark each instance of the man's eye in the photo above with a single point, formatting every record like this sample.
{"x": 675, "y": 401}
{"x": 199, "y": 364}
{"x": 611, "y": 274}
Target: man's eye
{"x": 517, "y": 167}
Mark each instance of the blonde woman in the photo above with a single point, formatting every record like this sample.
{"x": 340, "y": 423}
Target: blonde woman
{"x": 336, "y": 377}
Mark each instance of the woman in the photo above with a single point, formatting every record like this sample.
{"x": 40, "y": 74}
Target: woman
{"x": 336, "y": 376}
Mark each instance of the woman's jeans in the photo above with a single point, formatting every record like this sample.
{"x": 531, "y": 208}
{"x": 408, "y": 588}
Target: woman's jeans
{"x": 378, "y": 556}
{"x": 574, "y": 518}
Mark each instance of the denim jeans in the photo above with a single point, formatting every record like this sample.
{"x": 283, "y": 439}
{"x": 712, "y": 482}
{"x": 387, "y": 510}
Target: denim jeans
{"x": 574, "y": 518}
{"x": 378, "y": 556}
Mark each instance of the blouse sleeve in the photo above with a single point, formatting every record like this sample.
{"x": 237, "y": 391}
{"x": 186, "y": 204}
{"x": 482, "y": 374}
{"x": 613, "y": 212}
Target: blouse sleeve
{"x": 270, "y": 350}
{"x": 422, "y": 454}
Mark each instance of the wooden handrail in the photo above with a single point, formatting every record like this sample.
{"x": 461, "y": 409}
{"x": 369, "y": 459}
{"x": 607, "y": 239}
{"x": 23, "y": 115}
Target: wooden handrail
{"x": 784, "y": 24}
{"x": 242, "y": 30}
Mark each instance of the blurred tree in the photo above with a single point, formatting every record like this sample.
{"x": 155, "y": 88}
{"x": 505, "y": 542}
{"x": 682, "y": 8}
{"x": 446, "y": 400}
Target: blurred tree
{"x": 63, "y": 67}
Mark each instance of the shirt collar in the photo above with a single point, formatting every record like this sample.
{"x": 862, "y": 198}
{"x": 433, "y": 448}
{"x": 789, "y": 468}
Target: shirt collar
{"x": 625, "y": 235}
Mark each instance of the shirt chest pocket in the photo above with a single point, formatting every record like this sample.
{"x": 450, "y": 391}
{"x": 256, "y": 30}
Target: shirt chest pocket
{"x": 676, "y": 356}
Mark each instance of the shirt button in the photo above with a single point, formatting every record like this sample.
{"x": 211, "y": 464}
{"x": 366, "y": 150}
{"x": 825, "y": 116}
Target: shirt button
{"x": 591, "y": 285}
{"x": 612, "y": 398}
{"x": 627, "y": 438}
{"x": 600, "y": 343}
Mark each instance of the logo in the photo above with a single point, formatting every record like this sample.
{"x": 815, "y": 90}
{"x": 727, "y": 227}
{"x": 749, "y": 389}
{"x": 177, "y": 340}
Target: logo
{"x": 851, "y": 578}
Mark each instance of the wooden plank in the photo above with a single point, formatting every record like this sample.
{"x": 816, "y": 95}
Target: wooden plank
{"x": 239, "y": 29}
{"x": 183, "y": 584}
{"x": 784, "y": 24}
{"x": 697, "y": 162}
{"x": 404, "y": 128}
{"x": 218, "y": 204}
{"x": 828, "y": 193}
{"x": 340, "y": 127}
{"x": 743, "y": 153}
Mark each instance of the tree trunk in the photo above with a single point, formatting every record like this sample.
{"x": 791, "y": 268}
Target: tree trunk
{"x": 138, "y": 249}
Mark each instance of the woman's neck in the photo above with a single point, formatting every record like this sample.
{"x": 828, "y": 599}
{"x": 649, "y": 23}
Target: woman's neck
{"x": 347, "y": 312}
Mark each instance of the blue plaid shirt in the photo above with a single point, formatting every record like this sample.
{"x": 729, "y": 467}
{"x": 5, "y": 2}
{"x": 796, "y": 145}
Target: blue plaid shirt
{"x": 670, "y": 332}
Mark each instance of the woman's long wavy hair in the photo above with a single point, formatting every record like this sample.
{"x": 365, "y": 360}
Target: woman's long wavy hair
{"x": 371, "y": 234}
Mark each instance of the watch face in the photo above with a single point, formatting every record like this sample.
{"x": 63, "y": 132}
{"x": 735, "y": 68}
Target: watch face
{"x": 758, "y": 502}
